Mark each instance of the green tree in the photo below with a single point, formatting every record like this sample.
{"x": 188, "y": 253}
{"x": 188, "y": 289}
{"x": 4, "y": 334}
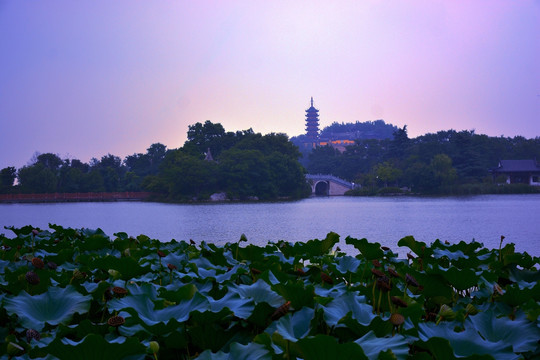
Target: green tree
{"x": 7, "y": 178}
{"x": 185, "y": 176}
{"x": 387, "y": 173}
{"x": 246, "y": 173}
{"x": 37, "y": 179}
{"x": 443, "y": 171}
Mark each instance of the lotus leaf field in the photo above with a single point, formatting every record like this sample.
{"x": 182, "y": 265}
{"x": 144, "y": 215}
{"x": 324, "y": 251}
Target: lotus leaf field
{"x": 79, "y": 294}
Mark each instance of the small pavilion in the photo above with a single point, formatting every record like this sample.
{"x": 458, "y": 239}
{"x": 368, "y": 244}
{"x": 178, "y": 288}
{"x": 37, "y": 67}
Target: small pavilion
{"x": 518, "y": 171}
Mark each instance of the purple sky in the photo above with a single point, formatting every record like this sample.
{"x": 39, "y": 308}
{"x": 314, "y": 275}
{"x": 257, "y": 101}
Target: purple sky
{"x": 87, "y": 78}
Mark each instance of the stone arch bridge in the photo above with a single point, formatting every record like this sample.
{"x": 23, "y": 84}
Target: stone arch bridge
{"x": 328, "y": 185}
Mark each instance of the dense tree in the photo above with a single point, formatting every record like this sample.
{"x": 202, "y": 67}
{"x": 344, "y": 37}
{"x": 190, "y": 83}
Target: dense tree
{"x": 37, "y": 178}
{"x": 7, "y": 178}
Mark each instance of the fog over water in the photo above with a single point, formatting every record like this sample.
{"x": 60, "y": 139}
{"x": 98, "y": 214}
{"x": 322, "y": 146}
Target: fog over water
{"x": 384, "y": 220}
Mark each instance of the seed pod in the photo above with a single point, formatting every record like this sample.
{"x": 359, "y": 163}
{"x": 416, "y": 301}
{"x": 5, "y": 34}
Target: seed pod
{"x": 116, "y": 321}
{"x": 32, "y": 278}
{"x": 280, "y": 311}
{"x": 161, "y": 253}
{"x": 392, "y": 272}
{"x": 38, "y": 263}
{"x": 108, "y": 294}
{"x": 446, "y": 312}
{"x": 78, "y": 275}
{"x": 398, "y": 302}
{"x": 397, "y": 319}
{"x": 172, "y": 267}
{"x": 326, "y": 279}
{"x": 32, "y": 334}
{"x": 409, "y": 279}
{"x": 377, "y": 273}
{"x": 52, "y": 265}
{"x": 119, "y": 291}
{"x": 383, "y": 284}
{"x": 471, "y": 309}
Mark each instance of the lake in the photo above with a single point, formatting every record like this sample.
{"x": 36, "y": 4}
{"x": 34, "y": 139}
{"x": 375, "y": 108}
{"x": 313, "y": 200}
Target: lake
{"x": 379, "y": 219}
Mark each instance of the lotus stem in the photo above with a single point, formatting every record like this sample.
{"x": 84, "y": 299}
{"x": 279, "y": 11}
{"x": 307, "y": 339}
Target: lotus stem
{"x": 373, "y": 295}
{"x": 379, "y": 302}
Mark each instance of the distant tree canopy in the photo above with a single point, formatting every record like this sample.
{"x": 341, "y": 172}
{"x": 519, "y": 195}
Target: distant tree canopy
{"x": 377, "y": 129}
{"x": 427, "y": 163}
{"x": 245, "y": 165}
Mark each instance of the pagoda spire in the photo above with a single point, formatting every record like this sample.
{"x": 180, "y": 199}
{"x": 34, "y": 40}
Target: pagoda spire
{"x": 312, "y": 101}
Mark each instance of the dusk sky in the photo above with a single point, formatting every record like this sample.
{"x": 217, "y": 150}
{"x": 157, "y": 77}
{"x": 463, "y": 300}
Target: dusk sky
{"x": 85, "y": 78}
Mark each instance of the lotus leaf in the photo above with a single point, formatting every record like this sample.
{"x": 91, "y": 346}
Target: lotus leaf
{"x": 373, "y": 346}
{"x": 251, "y": 351}
{"x": 55, "y": 306}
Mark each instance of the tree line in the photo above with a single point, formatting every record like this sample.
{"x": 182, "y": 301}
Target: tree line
{"x": 242, "y": 165}
{"x": 443, "y": 162}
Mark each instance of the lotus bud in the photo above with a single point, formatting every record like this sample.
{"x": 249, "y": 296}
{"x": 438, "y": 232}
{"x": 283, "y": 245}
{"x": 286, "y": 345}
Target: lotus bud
{"x": 52, "y": 265}
{"x": 154, "y": 347}
{"x": 14, "y": 349}
{"x": 115, "y": 274}
{"x": 161, "y": 253}
{"x": 127, "y": 253}
{"x": 35, "y": 232}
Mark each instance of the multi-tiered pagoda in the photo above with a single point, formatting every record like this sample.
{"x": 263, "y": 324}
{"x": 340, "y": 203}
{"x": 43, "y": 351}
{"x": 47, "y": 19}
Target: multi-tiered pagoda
{"x": 312, "y": 124}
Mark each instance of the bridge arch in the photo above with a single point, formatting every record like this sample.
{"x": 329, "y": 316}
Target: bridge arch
{"x": 328, "y": 185}
{"x": 321, "y": 188}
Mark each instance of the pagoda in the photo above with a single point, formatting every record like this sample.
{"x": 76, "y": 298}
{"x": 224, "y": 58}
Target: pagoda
{"x": 312, "y": 123}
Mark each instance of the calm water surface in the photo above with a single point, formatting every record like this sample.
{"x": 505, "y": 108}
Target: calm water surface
{"x": 384, "y": 220}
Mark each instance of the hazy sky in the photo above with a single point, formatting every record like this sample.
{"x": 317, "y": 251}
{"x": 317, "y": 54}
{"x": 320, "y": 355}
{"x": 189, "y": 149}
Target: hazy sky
{"x": 87, "y": 78}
